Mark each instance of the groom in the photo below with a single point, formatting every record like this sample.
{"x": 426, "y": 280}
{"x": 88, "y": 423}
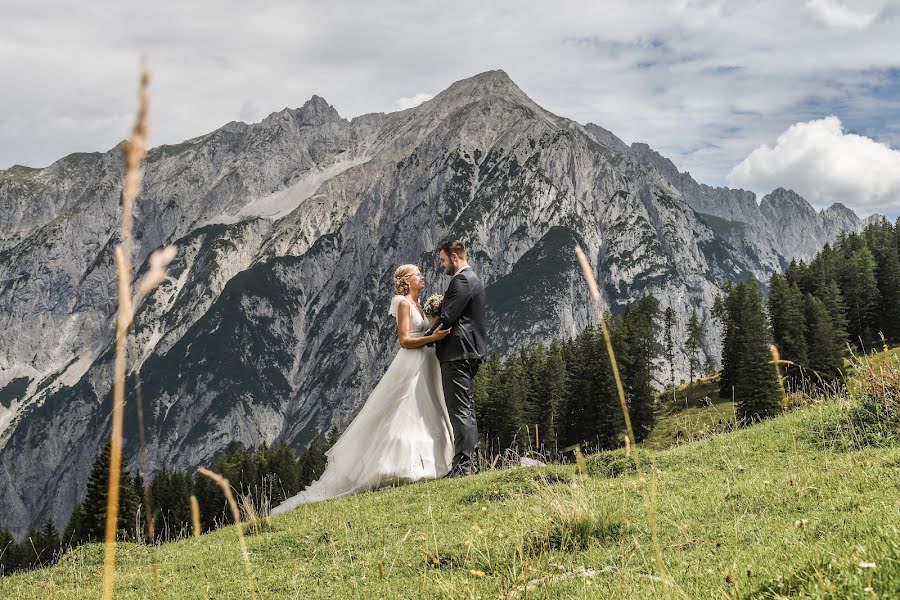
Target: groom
{"x": 461, "y": 352}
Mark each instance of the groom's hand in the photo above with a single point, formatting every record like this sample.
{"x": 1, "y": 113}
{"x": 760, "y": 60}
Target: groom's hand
{"x": 434, "y": 327}
{"x": 440, "y": 333}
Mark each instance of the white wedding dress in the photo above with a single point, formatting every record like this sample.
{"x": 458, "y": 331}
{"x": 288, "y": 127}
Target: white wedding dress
{"x": 401, "y": 434}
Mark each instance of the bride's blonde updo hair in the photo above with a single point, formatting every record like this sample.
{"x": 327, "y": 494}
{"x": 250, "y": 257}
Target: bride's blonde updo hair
{"x": 401, "y": 278}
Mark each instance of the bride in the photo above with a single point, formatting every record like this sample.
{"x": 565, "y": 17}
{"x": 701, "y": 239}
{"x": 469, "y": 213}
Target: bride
{"x": 402, "y": 433}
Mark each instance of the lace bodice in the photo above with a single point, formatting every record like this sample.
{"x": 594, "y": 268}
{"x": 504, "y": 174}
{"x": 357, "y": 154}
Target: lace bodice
{"x": 418, "y": 324}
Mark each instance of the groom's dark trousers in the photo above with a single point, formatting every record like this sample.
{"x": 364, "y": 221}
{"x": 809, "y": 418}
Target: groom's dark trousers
{"x": 457, "y": 378}
{"x": 460, "y": 354}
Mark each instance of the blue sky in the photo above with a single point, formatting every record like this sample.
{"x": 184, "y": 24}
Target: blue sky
{"x": 802, "y": 94}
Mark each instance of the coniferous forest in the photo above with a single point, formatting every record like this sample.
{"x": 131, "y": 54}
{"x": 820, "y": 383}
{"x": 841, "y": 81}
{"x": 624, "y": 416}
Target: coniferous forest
{"x": 258, "y": 476}
{"x": 847, "y": 297}
{"x": 548, "y": 398}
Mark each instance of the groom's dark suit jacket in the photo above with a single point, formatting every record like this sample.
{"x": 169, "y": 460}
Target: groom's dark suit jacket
{"x": 463, "y": 309}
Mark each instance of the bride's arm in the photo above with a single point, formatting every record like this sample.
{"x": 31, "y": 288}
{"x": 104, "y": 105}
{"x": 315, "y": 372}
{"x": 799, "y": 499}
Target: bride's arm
{"x": 410, "y": 341}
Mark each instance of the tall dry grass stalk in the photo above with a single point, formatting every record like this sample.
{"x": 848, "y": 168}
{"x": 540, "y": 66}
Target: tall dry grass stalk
{"x": 195, "y": 516}
{"x": 595, "y": 296}
{"x": 649, "y": 503}
{"x": 148, "y": 506}
{"x": 236, "y": 515}
{"x": 776, "y": 361}
{"x": 135, "y": 149}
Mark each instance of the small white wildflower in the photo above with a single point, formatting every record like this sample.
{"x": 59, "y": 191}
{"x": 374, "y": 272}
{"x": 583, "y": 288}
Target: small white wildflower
{"x": 866, "y": 565}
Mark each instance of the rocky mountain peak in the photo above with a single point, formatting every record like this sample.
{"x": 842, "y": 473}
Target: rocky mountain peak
{"x": 837, "y": 218}
{"x": 838, "y": 210}
{"x": 786, "y": 203}
{"x": 318, "y": 105}
{"x": 650, "y": 156}
{"x": 490, "y": 84}
{"x": 606, "y": 137}
{"x": 315, "y": 111}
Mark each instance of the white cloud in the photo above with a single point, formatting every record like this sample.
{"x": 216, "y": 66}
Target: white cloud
{"x": 836, "y": 14}
{"x": 702, "y": 81}
{"x": 824, "y": 164}
{"x": 412, "y": 101}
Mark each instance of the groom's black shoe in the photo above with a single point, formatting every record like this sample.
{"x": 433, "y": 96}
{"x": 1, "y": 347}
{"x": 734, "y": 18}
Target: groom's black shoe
{"x": 455, "y": 471}
{"x": 469, "y": 469}
{"x": 462, "y": 470}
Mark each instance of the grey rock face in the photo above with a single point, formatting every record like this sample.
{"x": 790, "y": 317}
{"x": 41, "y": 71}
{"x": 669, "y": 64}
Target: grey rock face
{"x": 782, "y": 227}
{"x": 274, "y": 321}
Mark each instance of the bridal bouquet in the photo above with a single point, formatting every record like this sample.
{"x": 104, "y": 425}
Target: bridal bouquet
{"x": 432, "y": 306}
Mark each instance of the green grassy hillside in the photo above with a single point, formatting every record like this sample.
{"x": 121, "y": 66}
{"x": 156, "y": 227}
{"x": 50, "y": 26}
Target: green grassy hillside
{"x": 686, "y": 417}
{"x": 793, "y": 507}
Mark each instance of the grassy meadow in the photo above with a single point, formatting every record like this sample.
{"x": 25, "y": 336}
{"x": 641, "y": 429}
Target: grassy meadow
{"x": 798, "y": 506}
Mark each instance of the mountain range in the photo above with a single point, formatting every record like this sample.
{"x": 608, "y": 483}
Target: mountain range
{"x": 273, "y": 323}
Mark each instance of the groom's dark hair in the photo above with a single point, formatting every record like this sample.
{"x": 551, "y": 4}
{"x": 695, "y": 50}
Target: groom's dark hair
{"x": 454, "y": 247}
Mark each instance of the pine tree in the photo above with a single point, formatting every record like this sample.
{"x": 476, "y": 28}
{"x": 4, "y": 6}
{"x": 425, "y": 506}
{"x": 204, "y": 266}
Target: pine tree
{"x": 592, "y": 415}
{"x": 669, "y": 344}
{"x": 285, "y": 472}
{"x": 486, "y": 413}
{"x": 240, "y": 467}
{"x": 90, "y": 524}
{"x": 798, "y": 274}
{"x": 131, "y": 515}
{"x": 639, "y": 348}
{"x": 8, "y": 560}
{"x": 552, "y": 390}
{"x": 580, "y": 354}
{"x": 512, "y": 393}
{"x": 213, "y": 506}
{"x": 312, "y": 461}
{"x": 694, "y": 339}
{"x": 171, "y": 492}
{"x": 823, "y": 269}
{"x": 859, "y": 288}
{"x": 533, "y": 362}
{"x": 787, "y": 318}
{"x": 824, "y": 351}
{"x": 756, "y": 388}
{"x": 51, "y": 540}
{"x": 723, "y": 310}
{"x": 73, "y": 531}
{"x": 830, "y": 295}
{"x": 882, "y": 242}
{"x": 39, "y": 548}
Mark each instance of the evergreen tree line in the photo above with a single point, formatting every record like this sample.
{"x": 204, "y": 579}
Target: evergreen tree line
{"x": 263, "y": 474}
{"x": 848, "y": 294}
{"x": 40, "y": 547}
{"x": 549, "y": 397}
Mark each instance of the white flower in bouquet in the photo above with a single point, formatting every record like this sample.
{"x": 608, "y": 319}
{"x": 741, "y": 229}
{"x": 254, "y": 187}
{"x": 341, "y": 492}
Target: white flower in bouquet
{"x": 432, "y": 306}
